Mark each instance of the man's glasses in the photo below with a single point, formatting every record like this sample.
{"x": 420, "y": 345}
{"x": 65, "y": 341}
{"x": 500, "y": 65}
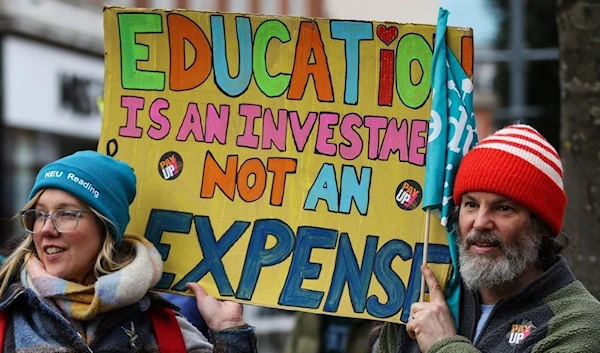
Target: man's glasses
{"x": 64, "y": 221}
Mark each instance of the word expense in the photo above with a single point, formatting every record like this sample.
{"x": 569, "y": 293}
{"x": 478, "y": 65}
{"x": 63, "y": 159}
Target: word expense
{"x": 310, "y": 58}
{"x": 376, "y": 260}
{"x": 384, "y": 136}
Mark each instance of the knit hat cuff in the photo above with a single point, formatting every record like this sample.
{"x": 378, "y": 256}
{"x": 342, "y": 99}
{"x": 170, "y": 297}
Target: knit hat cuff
{"x": 83, "y": 175}
{"x": 503, "y": 173}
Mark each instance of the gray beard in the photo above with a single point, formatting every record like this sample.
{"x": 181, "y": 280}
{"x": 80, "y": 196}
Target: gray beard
{"x": 484, "y": 272}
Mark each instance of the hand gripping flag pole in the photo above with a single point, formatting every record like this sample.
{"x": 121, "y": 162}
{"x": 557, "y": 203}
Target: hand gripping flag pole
{"x": 452, "y": 133}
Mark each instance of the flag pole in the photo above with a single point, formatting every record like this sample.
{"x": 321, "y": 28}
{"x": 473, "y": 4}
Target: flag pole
{"x": 425, "y": 252}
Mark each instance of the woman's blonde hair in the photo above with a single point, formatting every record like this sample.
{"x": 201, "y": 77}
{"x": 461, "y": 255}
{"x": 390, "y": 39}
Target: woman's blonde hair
{"x": 110, "y": 258}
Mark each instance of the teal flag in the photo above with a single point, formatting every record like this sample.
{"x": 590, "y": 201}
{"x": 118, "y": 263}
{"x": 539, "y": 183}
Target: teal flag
{"x": 451, "y": 135}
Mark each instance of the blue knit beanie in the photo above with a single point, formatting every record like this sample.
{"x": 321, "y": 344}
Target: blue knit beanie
{"x": 102, "y": 182}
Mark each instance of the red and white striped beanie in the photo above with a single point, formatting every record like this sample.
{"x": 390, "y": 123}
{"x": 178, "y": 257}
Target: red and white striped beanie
{"x": 519, "y": 163}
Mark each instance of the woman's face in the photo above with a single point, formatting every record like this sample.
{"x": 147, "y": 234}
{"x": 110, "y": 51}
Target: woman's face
{"x": 71, "y": 255}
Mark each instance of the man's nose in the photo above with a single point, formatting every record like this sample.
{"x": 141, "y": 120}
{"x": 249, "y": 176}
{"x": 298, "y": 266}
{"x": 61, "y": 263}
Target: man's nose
{"x": 483, "y": 220}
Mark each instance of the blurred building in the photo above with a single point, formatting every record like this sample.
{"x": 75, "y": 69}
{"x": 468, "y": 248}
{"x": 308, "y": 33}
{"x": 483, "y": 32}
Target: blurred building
{"x": 51, "y": 74}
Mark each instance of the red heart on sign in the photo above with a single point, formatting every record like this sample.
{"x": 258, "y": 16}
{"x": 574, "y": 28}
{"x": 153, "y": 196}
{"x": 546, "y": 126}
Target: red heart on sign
{"x": 387, "y": 34}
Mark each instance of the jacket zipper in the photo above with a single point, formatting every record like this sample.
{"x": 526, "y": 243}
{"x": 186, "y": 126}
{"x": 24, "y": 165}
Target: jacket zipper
{"x": 86, "y": 345}
{"x": 485, "y": 326}
{"x": 65, "y": 321}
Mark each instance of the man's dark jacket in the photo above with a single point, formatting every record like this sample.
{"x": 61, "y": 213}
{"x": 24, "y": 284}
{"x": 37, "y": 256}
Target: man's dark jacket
{"x": 555, "y": 313}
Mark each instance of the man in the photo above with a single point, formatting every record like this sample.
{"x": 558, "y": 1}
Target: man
{"x": 518, "y": 292}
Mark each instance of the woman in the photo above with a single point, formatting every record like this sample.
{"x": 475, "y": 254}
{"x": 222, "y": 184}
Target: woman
{"x": 77, "y": 283}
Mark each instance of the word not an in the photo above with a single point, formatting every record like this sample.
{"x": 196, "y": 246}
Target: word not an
{"x": 325, "y": 187}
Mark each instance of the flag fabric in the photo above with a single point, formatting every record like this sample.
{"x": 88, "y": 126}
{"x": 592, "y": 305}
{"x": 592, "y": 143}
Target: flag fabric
{"x": 451, "y": 135}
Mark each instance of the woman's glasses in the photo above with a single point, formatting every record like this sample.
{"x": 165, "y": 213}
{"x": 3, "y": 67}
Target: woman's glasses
{"x": 64, "y": 221}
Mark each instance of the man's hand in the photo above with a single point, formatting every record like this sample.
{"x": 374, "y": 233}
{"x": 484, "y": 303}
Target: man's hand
{"x": 430, "y": 322}
{"x": 219, "y": 315}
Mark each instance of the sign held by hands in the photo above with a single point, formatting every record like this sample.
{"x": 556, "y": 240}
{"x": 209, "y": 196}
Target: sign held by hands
{"x": 279, "y": 159}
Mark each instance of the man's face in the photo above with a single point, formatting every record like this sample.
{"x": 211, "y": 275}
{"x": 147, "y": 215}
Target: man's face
{"x": 496, "y": 240}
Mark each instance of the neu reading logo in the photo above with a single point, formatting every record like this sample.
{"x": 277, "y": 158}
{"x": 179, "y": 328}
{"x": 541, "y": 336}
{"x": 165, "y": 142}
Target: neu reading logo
{"x": 408, "y": 195}
{"x": 170, "y": 165}
{"x": 519, "y": 331}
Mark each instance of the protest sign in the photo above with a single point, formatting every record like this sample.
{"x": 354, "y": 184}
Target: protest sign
{"x": 280, "y": 160}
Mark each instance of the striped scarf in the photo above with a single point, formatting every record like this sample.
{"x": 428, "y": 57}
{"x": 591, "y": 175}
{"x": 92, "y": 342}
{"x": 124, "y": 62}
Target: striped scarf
{"x": 115, "y": 290}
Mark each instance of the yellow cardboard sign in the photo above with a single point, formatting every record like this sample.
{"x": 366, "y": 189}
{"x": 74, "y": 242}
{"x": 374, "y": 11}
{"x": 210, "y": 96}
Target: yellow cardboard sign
{"x": 279, "y": 159}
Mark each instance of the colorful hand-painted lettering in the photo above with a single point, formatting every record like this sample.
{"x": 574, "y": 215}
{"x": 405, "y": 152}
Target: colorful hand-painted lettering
{"x": 280, "y": 160}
